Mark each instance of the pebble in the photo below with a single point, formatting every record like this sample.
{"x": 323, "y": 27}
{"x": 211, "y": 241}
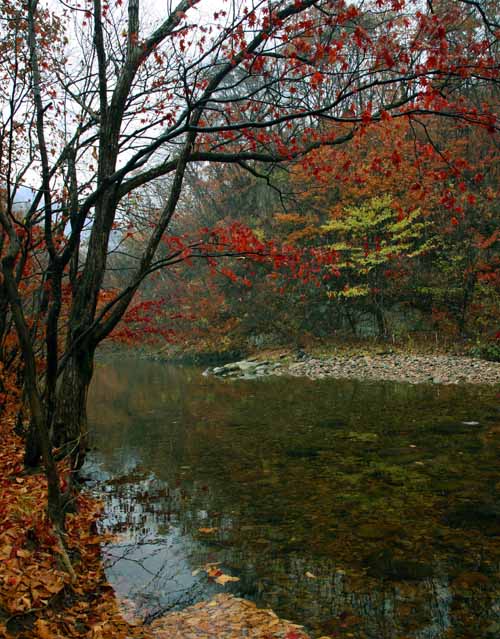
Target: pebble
{"x": 413, "y": 369}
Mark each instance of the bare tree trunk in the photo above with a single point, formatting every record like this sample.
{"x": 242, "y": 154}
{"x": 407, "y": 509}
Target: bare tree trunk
{"x": 70, "y": 421}
{"x": 380, "y": 319}
{"x": 32, "y": 449}
{"x": 55, "y": 507}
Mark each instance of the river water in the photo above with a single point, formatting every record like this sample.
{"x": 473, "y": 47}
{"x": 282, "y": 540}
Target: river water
{"x": 359, "y": 509}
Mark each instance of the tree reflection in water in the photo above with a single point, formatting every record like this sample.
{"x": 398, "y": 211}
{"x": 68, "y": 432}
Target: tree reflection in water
{"x": 341, "y": 505}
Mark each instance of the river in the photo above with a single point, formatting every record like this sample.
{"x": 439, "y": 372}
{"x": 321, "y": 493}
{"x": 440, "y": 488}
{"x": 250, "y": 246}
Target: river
{"x": 358, "y": 509}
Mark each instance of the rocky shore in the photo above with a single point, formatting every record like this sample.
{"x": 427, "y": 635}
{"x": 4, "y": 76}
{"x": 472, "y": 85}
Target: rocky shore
{"x": 412, "y": 369}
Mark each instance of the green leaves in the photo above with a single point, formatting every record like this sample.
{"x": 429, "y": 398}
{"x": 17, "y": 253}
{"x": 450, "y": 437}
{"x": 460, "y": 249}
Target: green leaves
{"x": 371, "y": 236}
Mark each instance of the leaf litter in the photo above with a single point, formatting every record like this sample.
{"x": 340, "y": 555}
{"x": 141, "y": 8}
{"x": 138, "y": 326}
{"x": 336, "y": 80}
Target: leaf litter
{"x": 38, "y": 600}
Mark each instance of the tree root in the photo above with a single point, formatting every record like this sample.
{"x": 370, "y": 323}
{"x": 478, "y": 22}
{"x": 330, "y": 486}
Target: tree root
{"x": 65, "y": 557}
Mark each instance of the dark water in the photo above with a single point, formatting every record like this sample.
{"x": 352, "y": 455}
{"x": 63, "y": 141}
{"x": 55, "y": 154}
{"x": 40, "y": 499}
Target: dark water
{"x": 366, "y": 510}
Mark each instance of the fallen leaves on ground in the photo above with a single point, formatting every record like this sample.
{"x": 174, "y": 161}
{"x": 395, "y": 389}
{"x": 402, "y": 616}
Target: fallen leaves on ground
{"x": 38, "y": 599}
{"x": 225, "y": 617}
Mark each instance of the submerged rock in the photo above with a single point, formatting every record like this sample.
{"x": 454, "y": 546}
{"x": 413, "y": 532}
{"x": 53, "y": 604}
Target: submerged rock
{"x": 364, "y": 438}
{"x": 378, "y": 531}
{"x": 483, "y": 516}
{"x": 385, "y": 565}
{"x": 303, "y": 453}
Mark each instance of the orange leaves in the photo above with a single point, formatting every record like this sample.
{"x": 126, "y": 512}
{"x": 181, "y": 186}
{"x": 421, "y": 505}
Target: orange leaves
{"x": 212, "y": 570}
{"x": 43, "y": 629}
{"x": 28, "y": 579}
{"x": 207, "y": 531}
{"x": 30, "y": 575}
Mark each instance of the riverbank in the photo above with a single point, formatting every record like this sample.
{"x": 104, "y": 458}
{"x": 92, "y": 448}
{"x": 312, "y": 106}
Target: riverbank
{"x": 367, "y": 365}
{"x": 39, "y": 599}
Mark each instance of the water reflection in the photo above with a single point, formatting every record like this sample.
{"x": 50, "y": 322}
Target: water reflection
{"x": 366, "y": 509}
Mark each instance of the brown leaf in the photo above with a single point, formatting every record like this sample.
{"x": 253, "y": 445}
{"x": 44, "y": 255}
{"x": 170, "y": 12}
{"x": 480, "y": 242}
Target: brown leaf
{"x": 43, "y": 629}
{"x": 224, "y": 579}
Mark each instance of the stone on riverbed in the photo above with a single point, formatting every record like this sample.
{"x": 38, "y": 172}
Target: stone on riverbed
{"x": 387, "y": 565}
{"x": 246, "y": 369}
{"x": 412, "y": 369}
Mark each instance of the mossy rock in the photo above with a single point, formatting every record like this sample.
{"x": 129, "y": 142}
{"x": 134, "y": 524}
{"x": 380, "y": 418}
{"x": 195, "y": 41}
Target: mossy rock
{"x": 448, "y": 486}
{"x": 303, "y": 453}
{"x": 453, "y": 428}
{"x": 393, "y": 475}
{"x": 480, "y": 515}
{"x": 373, "y": 531}
{"x": 333, "y": 423}
{"x": 470, "y": 580}
{"x": 402, "y": 454}
{"x": 386, "y": 566}
{"x": 362, "y": 438}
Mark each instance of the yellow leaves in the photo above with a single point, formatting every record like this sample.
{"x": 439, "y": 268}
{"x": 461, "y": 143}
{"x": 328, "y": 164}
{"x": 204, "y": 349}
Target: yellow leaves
{"x": 97, "y": 631}
{"x": 224, "y": 579}
{"x": 350, "y": 291}
{"x": 215, "y": 574}
{"x": 5, "y": 551}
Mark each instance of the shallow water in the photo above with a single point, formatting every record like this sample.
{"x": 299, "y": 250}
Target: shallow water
{"x": 358, "y": 509}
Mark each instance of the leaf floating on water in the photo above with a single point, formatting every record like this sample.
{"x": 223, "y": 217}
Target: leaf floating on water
{"x": 224, "y": 579}
{"x": 214, "y": 572}
{"x": 207, "y": 531}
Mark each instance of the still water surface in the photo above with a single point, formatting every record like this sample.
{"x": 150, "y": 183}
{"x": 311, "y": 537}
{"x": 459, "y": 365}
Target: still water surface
{"x": 359, "y": 509}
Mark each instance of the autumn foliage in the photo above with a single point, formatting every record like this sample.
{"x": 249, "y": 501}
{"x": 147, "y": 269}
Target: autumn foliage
{"x": 296, "y": 168}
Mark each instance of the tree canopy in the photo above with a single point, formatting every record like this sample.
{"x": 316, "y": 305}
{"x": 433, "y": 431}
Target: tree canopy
{"x": 101, "y": 103}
